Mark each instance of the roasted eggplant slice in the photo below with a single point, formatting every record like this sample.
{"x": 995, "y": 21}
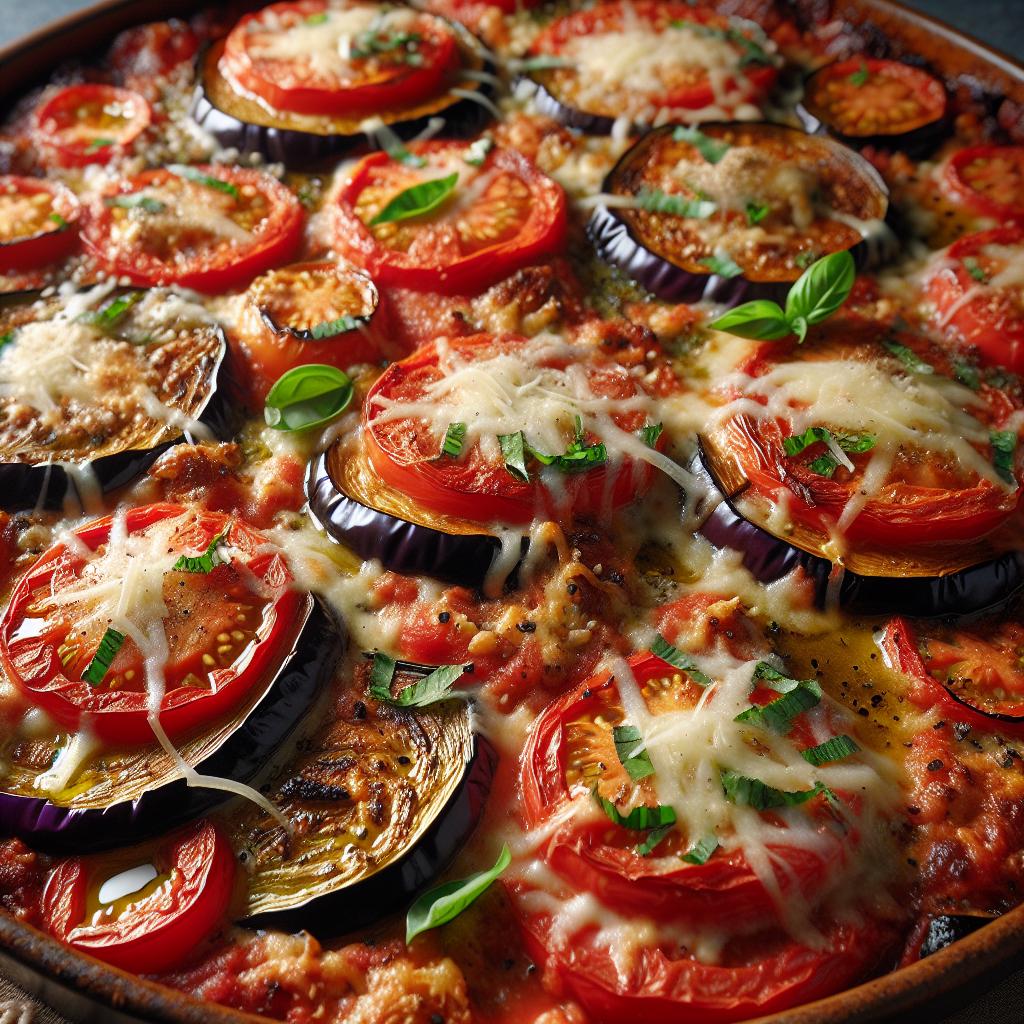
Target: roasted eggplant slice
{"x": 743, "y": 225}
{"x": 378, "y": 808}
{"x": 95, "y": 385}
{"x": 127, "y": 794}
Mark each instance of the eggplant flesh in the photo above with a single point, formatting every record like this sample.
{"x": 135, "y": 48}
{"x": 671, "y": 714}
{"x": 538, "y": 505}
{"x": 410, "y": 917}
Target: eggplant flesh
{"x": 380, "y": 807}
{"x": 125, "y": 796}
{"x": 349, "y": 502}
{"x": 43, "y": 464}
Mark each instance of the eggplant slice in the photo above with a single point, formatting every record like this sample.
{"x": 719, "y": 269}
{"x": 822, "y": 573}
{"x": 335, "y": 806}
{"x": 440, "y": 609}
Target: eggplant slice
{"x": 126, "y": 795}
{"x": 379, "y": 807}
{"x": 96, "y": 385}
{"x": 680, "y": 258}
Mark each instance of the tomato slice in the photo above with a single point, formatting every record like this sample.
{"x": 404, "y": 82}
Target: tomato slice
{"x": 989, "y": 179}
{"x": 978, "y": 294}
{"x": 38, "y": 222}
{"x": 500, "y": 216}
{"x": 146, "y": 910}
{"x": 146, "y": 52}
{"x": 406, "y": 449}
{"x": 651, "y": 61}
{"x": 224, "y": 629}
{"x": 91, "y": 123}
{"x": 862, "y": 97}
{"x": 208, "y": 228}
{"x": 311, "y": 57}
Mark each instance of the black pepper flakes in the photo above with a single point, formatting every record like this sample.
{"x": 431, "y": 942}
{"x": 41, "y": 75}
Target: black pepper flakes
{"x": 936, "y": 765}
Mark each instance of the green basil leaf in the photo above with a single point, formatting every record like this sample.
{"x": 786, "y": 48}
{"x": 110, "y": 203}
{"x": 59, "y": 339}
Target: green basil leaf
{"x": 445, "y": 902}
{"x": 382, "y": 672}
{"x": 108, "y": 316}
{"x": 822, "y": 288}
{"x": 756, "y": 212}
{"x": 417, "y": 199}
{"x": 136, "y": 201}
{"x": 650, "y": 433}
{"x": 777, "y": 715}
{"x": 908, "y": 357}
{"x": 747, "y": 792}
{"x": 711, "y": 149}
{"x": 306, "y": 397}
{"x": 1004, "y": 444}
{"x": 6, "y": 339}
{"x": 723, "y": 266}
{"x": 834, "y": 749}
{"x": 98, "y": 667}
{"x": 760, "y": 320}
{"x": 476, "y": 154}
{"x": 701, "y": 851}
{"x": 332, "y": 328}
{"x": 773, "y": 678}
{"x": 204, "y": 563}
{"x": 543, "y": 62}
{"x": 629, "y": 745}
{"x": 639, "y": 819}
{"x": 804, "y": 259}
{"x": 656, "y": 201}
{"x": 434, "y": 687}
{"x": 97, "y": 144}
{"x": 198, "y": 177}
{"x": 578, "y": 457}
{"x": 967, "y": 375}
{"x": 824, "y": 465}
{"x": 678, "y": 659}
{"x": 654, "y": 838}
{"x": 855, "y": 443}
{"x": 860, "y": 76}
{"x": 317, "y": 19}
{"x": 975, "y": 269}
{"x": 58, "y": 219}
{"x": 454, "y": 437}
{"x": 513, "y": 451}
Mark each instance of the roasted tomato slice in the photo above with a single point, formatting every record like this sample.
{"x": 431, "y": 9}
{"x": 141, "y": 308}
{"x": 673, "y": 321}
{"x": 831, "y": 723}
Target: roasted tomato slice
{"x": 38, "y": 222}
{"x": 144, "y": 910}
{"x": 651, "y": 61}
{"x": 475, "y": 224}
{"x": 312, "y": 57}
{"x": 208, "y": 228}
{"x": 989, "y": 180}
{"x": 861, "y": 98}
{"x": 978, "y": 294}
{"x": 552, "y": 400}
{"x": 96, "y": 628}
{"x": 146, "y": 52}
{"x": 90, "y": 124}
{"x": 911, "y": 455}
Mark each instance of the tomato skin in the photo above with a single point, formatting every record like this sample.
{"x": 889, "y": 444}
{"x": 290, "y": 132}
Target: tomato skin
{"x": 120, "y": 716}
{"x": 145, "y": 52}
{"x": 36, "y": 250}
{"x": 57, "y": 124}
{"x": 961, "y": 177}
{"x": 275, "y": 240}
{"x": 438, "y": 261}
{"x": 993, "y": 319}
{"x": 161, "y": 931}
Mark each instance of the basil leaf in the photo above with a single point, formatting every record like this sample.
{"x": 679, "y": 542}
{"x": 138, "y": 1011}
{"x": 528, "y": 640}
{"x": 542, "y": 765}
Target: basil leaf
{"x": 436, "y": 686}
{"x": 198, "y": 177}
{"x": 834, "y": 749}
{"x": 454, "y": 437}
{"x": 306, "y": 397}
{"x": 777, "y": 715}
{"x": 513, "y": 451}
{"x": 476, "y": 154}
{"x": 397, "y": 152}
{"x": 417, "y": 200}
{"x": 824, "y": 465}
{"x": 650, "y": 433}
{"x": 632, "y": 754}
{"x": 908, "y": 357}
{"x": 747, "y": 792}
{"x": 661, "y": 648}
{"x": 445, "y": 902}
{"x": 967, "y": 375}
{"x": 317, "y": 19}
{"x": 97, "y": 668}
{"x": 822, "y": 288}
{"x": 543, "y": 62}
{"x": 975, "y": 269}
{"x": 136, "y": 201}
{"x": 656, "y": 201}
{"x": 97, "y": 144}
{"x": 773, "y": 678}
{"x": 6, "y": 339}
{"x": 204, "y": 563}
{"x": 756, "y": 212}
{"x": 332, "y": 328}
{"x": 58, "y": 219}
{"x": 860, "y": 76}
{"x": 723, "y": 266}
{"x": 1004, "y": 444}
{"x": 640, "y": 818}
{"x": 654, "y": 838}
{"x": 711, "y": 149}
{"x": 382, "y": 671}
{"x": 578, "y": 457}
{"x": 804, "y": 259}
{"x": 107, "y": 316}
{"x": 856, "y": 443}
{"x": 701, "y": 851}
{"x": 760, "y": 320}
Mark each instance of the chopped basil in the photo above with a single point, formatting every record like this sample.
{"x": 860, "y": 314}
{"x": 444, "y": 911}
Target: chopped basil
{"x": 656, "y": 201}
{"x": 756, "y": 212}
{"x": 967, "y": 375}
{"x": 543, "y": 62}
{"x": 197, "y": 176}
{"x": 476, "y": 154}
{"x": 629, "y": 745}
{"x": 908, "y": 357}
{"x": 777, "y": 715}
{"x": 317, "y": 19}
{"x": 1004, "y": 444}
{"x": 650, "y": 433}
{"x": 446, "y": 901}
{"x": 136, "y": 201}
{"x": 820, "y": 291}
{"x": 975, "y": 269}
{"x": 513, "y": 451}
{"x": 723, "y": 265}
{"x": 678, "y": 659}
{"x": 97, "y": 144}
{"x": 401, "y": 155}
{"x": 417, "y": 199}
{"x": 860, "y": 76}
{"x": 834, "y": 749}
{"x": 6, "y": 339}
{"x": 747, "y": 792}
{"x": 108, "y": 316}
{"x": 454, "y": 437}
{"x": 434, "y": 687}
{"x": 578, "y": 457}
{"x": 753, "y": 52}
{"x": 639, "y": 819}
{"x": 204, "y": 563}
{"x": 711, "y": 149}
{"x": 307, "y": 396}
{"x": 654, "y": 838}
{"x": 773, "y": 678}
{"x": 701, "y": 851}
{"x": 373, "y": 41}
{"x": 856, "y": 443}
{"x": 804, "y": 259}
{"x": 332, "y": 328}
{"x": 98, "y": 667}
{"x": 58, "y": 219}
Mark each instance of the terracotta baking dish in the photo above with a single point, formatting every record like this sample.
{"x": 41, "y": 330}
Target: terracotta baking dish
{"x": 87, "y": 990}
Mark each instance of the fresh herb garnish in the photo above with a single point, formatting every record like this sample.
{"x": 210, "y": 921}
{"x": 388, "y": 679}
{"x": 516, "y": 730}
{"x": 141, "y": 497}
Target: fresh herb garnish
{"x": 397, "y": 152}
{"x": 578, "y": 457}
{"x": 860, "y": 76}
{"x": 98, "y": 667}
{"x": 678, "y": 659}
{"x": 204, "y": 563}
{"x": 199, "y": 177}
{"x": 967, "y": 375}
{"x": 1004, "y": 444}
{"x": 374, "y": 42}
{"x": 650, "y": 433}
{"x": 975, "y": 269}
{"x": 723, "y": 265}
{"x": 656, "y": 201}
{"x": 834, "y": 749}
{"x": 639, "y": 819}
{"x": 445, "y": 902}
{"x": 97, "y": 144}
{"x": 804, "y": 259}
{"x": 747, "y": 792}
{"x": 434, "y": 687}
{"x": 107, "y": 317}
{"x": 701, "y": 851}
{"x": 856, "y": 443}
{"x": 58, "y": 219}
{"x": 654, "y": 838}
{"x": 756, "y": 212}
{"x": 417, "y": 200}
{"x": 777, "y": 715}
{"x": 307, "y": 396}
{"x": 6, "y": 339}
{"x": 907, "y": 356}
{"x": 136, "y": 201}
{"x": 711, "y": 149}
{"x": 332, "y": 328}
{"x": 542, "y": 62}
{"x": 629, "y": 745}
{"x": 513, "y": 451}
{"x": 454, "y": 437}
{"x": 753, "y": 51}
{"x": 317, "y": 19}
{"x": 768, "y": 674}
{"x": 476, "y": 154}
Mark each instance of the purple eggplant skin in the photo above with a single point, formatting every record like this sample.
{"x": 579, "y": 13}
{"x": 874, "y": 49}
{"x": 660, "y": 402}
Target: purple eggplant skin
{"x": 548, "y": 105}
{"x": 978, "y": 588}
{"x": 366, "y": 901}
{"x": 243, "y": 755}
{"x": 945, "y": 929}
{"x": 400, "y": 545}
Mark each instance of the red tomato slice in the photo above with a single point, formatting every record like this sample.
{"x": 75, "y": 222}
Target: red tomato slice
{"x": 145, "y": 52}
{"x": 213, "y": 233}
{"x": 186, "y": 888}
{"x": 38, "y": 222}
{"x": 499, "y": 217}
{"x": 989, "y": 179}
{"x": 91, "y": 123}
{"x": 311, "y": 58}
{"x": 978, "y": 294}
{"x": 477, "y": 485}
{"x": 49, "y": 635}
